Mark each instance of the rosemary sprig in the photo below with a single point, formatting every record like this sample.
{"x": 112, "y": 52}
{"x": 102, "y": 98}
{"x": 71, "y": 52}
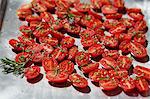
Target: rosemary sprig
{"x": 10, "y": 66}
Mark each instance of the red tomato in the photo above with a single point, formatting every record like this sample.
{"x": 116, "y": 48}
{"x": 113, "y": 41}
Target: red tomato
{"x": 82, "y": 58}
{"x": 32, "y": 72}
{"x": 17, "y": 46}
{"x": 117, "y": 29}
{"x": 67, "y": 42}
{"x": 30, "y": 18}
{"x": 108, "y": 24}
{"x": 108, "y": 63}
{"x": 72, "y": 29}
{"x": 47, "y": 49}
{"x": 110, "y": 41}
{"x": 96, "y": 4}
{"x": 34, "y": 24}
{"x": 72, "y": 53}
{"x": 140, "y": 38}
{"x": 78, "y": 81}
{"x": 26, "y": 40}
{"x": 38, "y": 7}
{"x": 62, "y": 5}
{"x": 108, "y": 83}
{"x": 56, "y": 76}
{"x": 57, "y": 25}
{"x": 87, "y": 19}
{"x": 140, "y": 25}
{"x": 59, "y": 53}
{"x": 26, "y": 30}
{"x": 37, "y": 57}
{"x": 23, "y": 13}
{"x": 88, "y": 33}
{"x": 118, "y": 74}
{"x": 95, "y": 24}
{"x": 118, "y": 3}
{"x": 34, "y": 48}
{"x": 124, "y": 46}
{"x": 56, "y": 34}
{"x": 96, "y": 50}
{"x": 127, "y": 22}
{"x": 89, "y": 67}
{"x": 51, "y": 41}
{"x": 133, "y": 10}
{"x": 105, "y": 2}
{"x": 109, "y": 9}
{"x": 111, "y": 53}
{"x": 124, "y": 62}
{"x": 47, "y": 17}
{"x": 136, "y": 16}
{"x": 96, "y": 74}
{"x": 50, "y": 4}
{"x": 137, "y": 50}
{"x": 49, "y": 64}
{"x": 142, "y": 72}
{"x": 22, "y": 57}
{"x": 41, "y": 32}
{"x": 141, "y": 84}
{"x": 114, "y": 16}
{"x": 96, "y": 15}
{"x": 66, "y": 66}
{"x": 127, "y": 84}
{"x": 82, "y": 7}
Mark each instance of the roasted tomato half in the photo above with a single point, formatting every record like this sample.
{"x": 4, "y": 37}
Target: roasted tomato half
{"x": 22, "y": 57}
{"x": 72, "y": 53}
{"x": 111, "y": 53}
{"x": 67, "y": 42}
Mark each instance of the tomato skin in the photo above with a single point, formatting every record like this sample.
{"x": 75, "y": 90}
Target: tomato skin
{"x": 22, "y": 57}
{"x": 140, "y": 38}
{"x": 127, "y": 84}
{"x": 109, "y": 9}
{"x": 17, "y": 46}
{"x": 49, "y": 64}
{"x": 108, "y": 63}
{"x": 89, "y": 67}
{"x": 82, "y": 58}
{"x": 30, "y": 18}
{"x": 137, "y": 50}
{"x": 67, "y": 42}
{"x": 121, "y": 73}
{"x": 142, "y": 72}
{"x": 32, "y": 72}
{"x": 72, "y": 53}
{"x": 47, "y": 17}
{"x": 59, "y": 53}
{"x": 124, "y": 62}
{"x": 124, "y": 46}
{"x": 114, "y": 16}
{"x": 117, "y": 29}
{"x": 110, "y": 41}
{"x": 136, "y": 16}
{"x": 134, "y": 10}
{"x": 96, "y": 50}
{"x": 82, "y": 7}
{"x": 108, "y": 84}
{"x": 111, "y": 53}
{"x": 56, "y": 76}
{"x": 141, "y": 84}
{"x": 78, "y": 81}
{"x": 96, "y": 74}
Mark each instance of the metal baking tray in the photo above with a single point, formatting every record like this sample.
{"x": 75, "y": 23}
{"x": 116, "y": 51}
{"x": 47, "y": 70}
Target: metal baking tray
{"x": 12, "y": 87}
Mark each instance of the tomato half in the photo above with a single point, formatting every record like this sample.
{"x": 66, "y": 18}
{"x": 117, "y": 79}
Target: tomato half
{"x": 67, "y": 42}
{"x": 96, "y": 74}
{"x": 124, "y": 62}
{"x": 140, "y": 25}
{"x": 117, "y": 29}
{"x": 82, "y": 7}
{"x": 78, "y": 81}
{"x": 118, "y": 74}
{"x": 56, "y": 76}
{"x": 141, "y": 84}
{"x": 134, "y": 10}
{"x": 96, "y": 50}
{"x": 127, "y": 84}
{"x": 89, "y": 67}
{"x": 140, "y": 38}
{"x": 108, "y": 63}
{"x": 127, "y": 22}
{"x": 114, "y": 16}
{"x": 142, "y": 72}
{"x": 47, "y": 17}
{"x": 32, "y": 72}
{"x": 110, "y": 41}
{"x": 30, "y": 18}
{"x": 66, "y": 66}
{"x": 22, "y": 57}
{"x": 111, "y": 53}
{"x": 82, "y": 58}
{"x": 72, "y": 53}
{"x": 108, "y": 83}
{"x": 108, "y": 24}
{"x": 109, "y": 9}
{"x": 49, "y": 64}
{"x": 96, "y": 4}
{"x": 51, "y": 41}
{"x": 124, "y": 46}
{"x": 138, "y": 50}
{"x": 136, "y": 16}
{"x": 17, "y": 46}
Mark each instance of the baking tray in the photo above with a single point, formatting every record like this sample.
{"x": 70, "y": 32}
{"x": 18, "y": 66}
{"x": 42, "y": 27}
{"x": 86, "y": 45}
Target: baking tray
{"x": 12, "y": 87}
